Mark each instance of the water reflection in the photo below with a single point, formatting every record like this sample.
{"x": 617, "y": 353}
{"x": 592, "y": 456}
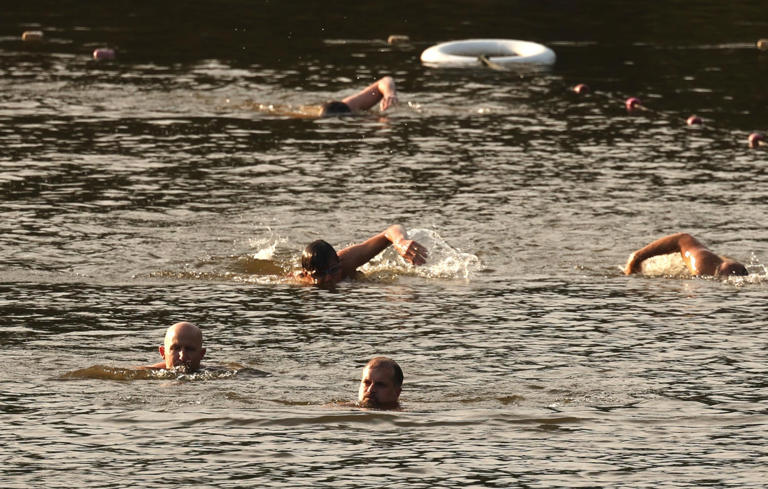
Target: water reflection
{"x": 149, "y": 190}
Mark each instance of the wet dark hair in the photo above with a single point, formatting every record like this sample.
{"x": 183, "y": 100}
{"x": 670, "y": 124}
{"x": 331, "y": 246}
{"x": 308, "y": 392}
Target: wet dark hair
{"x": 728, "y": 268}
{"x": 397, "y": 376}
{"x": 318, "y": 256}
{"x": 334, "y": 108}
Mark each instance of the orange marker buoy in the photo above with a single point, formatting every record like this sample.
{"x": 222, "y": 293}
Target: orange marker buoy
{"x": 32, "y": 36}
{"x": 101, "y": 54}
{"x": 398, "y": 39}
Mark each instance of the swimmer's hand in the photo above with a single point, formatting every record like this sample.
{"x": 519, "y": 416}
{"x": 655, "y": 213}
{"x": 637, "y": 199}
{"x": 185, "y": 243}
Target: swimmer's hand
{"x": 413, "y": 252}
{"x": 388, "y": 101}
{"x": 388, "y": 91}
{"x": 633, "y": 265}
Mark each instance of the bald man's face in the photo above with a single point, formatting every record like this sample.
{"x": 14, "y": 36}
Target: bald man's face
{"x": 183, "y": 347}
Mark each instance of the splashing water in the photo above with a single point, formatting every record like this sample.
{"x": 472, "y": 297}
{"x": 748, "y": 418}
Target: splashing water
{"x": 444, "y": 261}
{"x": 670, "y": 265}
{"x": 266, "y": 245}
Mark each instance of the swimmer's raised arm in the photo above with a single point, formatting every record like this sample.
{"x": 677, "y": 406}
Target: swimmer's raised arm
{"x": 381, "y": 90}
{"x": 697, "y": 257}
{"x": 357, "y": 255}
{"x": 662, "y": 246}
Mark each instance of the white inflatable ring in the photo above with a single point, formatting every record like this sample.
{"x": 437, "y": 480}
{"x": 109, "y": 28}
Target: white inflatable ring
{"x": 464, "y": 54}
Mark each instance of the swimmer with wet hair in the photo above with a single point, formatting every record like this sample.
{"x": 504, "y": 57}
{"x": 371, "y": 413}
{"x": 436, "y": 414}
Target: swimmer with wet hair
{"x": 321, "y": 265}
{"x": 382, "y": 92}
{"x": 182, "y": 349}
{"x": 699, "y": 259}
{"x": 380, "y": 384}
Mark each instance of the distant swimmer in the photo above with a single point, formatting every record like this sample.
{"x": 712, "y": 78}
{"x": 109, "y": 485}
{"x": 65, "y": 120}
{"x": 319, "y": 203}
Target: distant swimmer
{"x": 321, "y": 265}
{"x": 182, "y": 350}
{"x": 381, "y": 384}
{"x": 697, "y": 257}
{"x": 382, "y": 92}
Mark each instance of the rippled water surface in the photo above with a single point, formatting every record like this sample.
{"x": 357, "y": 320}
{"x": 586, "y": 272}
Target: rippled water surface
{"x": 177, "y": 183}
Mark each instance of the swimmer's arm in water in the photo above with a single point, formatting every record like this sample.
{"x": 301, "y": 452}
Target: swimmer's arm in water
{"x": 358, "y": 255}
{"x": 157, "y": 366}
{"x": 382, "y": 90}
{"x": 697, "y": 257}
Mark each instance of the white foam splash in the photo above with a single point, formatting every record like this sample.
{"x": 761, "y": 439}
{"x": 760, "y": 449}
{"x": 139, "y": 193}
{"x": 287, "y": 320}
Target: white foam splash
{"x": 670, "y": 265}
{"x": 444, "y": 261}
{"x": 758, "y": 273}
{"x": 266, "y": 245}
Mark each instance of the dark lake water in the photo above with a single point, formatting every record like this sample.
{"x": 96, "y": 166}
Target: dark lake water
{"x": 170, "y": 184}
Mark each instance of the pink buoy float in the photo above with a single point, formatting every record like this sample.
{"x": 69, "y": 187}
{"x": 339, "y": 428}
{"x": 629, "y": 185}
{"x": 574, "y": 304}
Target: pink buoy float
{"x": 100, "y": 54}
{"x": 632, "y": 103}
{"x": 581, "y": 88}
{"x": 694, "y": 120}
{"x": 756, "y": 139}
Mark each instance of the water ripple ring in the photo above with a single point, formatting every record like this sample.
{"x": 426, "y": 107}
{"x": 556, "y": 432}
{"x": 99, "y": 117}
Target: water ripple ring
{"x": 467, "y": 53}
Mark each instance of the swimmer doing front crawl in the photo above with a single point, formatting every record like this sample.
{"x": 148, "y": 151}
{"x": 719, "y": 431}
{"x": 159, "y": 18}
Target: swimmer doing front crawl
{"x": 699, "y": 259}
{"x": 321, "y": 265}
{"x": 382, "y": 92}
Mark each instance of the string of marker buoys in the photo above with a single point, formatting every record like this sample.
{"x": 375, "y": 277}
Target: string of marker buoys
{"x": 99, "y": 54}
{"x": 754, "y": 140}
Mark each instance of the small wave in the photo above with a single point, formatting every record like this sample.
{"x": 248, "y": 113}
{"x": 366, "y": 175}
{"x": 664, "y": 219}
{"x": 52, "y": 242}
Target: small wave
{"x": 280, "y": 110}
{"x": 103, "y": 372}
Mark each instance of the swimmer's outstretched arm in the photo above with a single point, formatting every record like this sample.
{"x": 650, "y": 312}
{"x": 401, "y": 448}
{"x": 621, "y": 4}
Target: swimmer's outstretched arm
{"x": 698, "y": 258}
{"x": 358, "y": 255}
{"x": 382, "y": 90}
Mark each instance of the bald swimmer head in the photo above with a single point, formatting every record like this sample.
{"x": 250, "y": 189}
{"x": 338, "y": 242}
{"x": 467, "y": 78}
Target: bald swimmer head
{"x": 183, "y": 347}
